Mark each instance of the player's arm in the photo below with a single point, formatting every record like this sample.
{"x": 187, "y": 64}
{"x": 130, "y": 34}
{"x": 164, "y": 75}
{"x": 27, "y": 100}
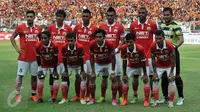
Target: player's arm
{"x": 12, "y": 40}
{"x": 121, "y": 39}
{"x": 64, "y": 60}
{"x": 179, "y": 33}
{"x": 173, "y": 59}
{"x": 92, "y": 61}
{"x": 40, "y": 72}
{"x": 145, "y": 78}
{"x": 153, "y": 61}
{"x": 82, "y": 60}
{"x": 55, "y": 59}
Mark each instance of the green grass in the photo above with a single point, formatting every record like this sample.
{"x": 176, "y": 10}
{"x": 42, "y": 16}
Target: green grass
{"x": 8, "y": 66}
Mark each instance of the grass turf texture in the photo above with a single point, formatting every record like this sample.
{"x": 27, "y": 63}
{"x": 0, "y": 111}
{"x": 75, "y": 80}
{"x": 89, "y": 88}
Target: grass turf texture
{"x": 8, "y": 66}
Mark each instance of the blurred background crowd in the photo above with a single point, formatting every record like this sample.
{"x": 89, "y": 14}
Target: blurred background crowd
{"x": 12, "y": 12}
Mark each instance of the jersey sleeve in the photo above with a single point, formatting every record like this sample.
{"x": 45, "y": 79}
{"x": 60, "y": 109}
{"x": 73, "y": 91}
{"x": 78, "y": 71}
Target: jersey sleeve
{"x": 131, "y": 27}
{"x": 122, "y": 32}
{"x": 142, "y": 54}
{"x": 171, "y": 49}
{"x": 111, "y": 47}
{"x": 37, "y": 49}
{"x": 75, "y": 28}
{"x": 123, "y": 53}
{"x": 18, "y": 30}
{"x": 152, "y": 50}
{"x": 178, "y": 31}
{"x": 69, "y": 29}
{"x": 155, "y": 28}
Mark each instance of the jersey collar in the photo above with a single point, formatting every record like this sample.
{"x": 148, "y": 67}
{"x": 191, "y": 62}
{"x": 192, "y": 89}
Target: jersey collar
{"x": 102, "y": 44}
{"x": 48, "y": 44}
{"x": 111, "y": 24}
{"x": 72, "y": 49}
{"x": 88, "y": 26}
{"x": 29, "y": 26}
{"x": 146, "y": 22}
{"x": 134, "y": 50}
{"x": 164, "y": 46}
{"x": 60, "y": 28}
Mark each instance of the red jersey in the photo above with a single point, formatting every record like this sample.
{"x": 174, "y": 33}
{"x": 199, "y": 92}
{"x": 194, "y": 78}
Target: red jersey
{"x": 58, "y": 35}
{"x": 28, "y": 39}
{"x": 102, "y": 54}
{"x": 47, "y": 54}
{"x": 73, "y": 56}
{"x": 163, "y": 56}
{"x": 84, "y": 36}
{"x": 144, "y": 33}
{"x": 135, "y": 57}
{"x": 114, "y": 33}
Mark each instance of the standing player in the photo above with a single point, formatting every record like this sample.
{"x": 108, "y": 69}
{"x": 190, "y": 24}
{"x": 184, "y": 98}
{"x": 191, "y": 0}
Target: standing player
{"x": 173, "y": 33}
{"x": 85, "y": 34}
{"x": 58, "y": 33}
{"x": 102, "y": 61}
{"x": 28, "y": 34}
{"x": 135, "y": 55}
{"x": 163, "y": 60}
{"x": 114, "y": 33}
{"x": 144, "y": 29}
{"x": 47, "y": 59}
{"x": 72, "y": 53}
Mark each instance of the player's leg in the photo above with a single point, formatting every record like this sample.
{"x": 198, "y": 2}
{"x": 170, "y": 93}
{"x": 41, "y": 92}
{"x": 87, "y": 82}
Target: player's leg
{"x": 150, "y": 71}
{"x": 21, "y": 72}
{"x": 40, "y": 85}
{"x": 118, "y": 71}
{"x": 87, "y": 68}
{"x": 56, "y": 85}
{"x": 146, "y": 89}
{"x": 92, "y": 87}
{"x": 164, "y": 86}
{"x": 171, "y": 88}
{"x": 77, "y": 88}
{"x": 156, "y": 87}
{"x": 33, "y": 71}
{"x": 178, "y": 80}
{"x": 104, "y": 82}
{"x": 135, "y": 88}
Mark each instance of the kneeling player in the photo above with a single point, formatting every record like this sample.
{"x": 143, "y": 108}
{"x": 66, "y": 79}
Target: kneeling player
{"x": 135, "y": 55}
{"x": 163, "y": 60}
{"x": 103, "y": 53}
{"x": 73, "y": 53}
{"x": 47, "y": 59}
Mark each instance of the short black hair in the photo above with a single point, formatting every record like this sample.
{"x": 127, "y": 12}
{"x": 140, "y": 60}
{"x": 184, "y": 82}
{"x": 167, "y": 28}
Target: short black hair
{"x": 168, "y": 9}
{"x": 100, "y": 31}
{"x": 111, "y": 9}
{"x": 62, "y": 12}
{"x": 30, "y": 11}
{"x": 130, "y": 36}
{"x": 46, "y": 33}
{"x": 160, "y": 32}
{"x": 144, "y": 8}
{"x": 71, "y": 35}
{"x": 86, "y": 11}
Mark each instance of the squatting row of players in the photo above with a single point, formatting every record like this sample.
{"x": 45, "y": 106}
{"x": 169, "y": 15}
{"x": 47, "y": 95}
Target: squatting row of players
{"x": 91, "y": 51}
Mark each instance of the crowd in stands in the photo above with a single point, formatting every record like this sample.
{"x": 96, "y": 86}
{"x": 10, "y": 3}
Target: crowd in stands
{"x": 13, "y": 11}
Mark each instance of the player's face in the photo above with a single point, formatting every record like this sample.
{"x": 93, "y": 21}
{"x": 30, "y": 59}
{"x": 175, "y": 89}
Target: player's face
{"x": 142, "y": 13}
{"x": 167, "y": 16}
{"x": 159, "y": 39}
{"x": 44, "y": 39}
{"x": 130, "y": 43}
{"x": 30, "y": 18}
{"x": 60, "y": 18}
{"x": 71, "y": 42}
{"x": 99, "y": 38}
{"x": 86, "y": 17}
{"x": 111, "y": 17}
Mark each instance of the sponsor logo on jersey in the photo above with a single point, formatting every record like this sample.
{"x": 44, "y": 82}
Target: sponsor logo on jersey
{"x": 36, "y": 31}
{"x": 64, "y": 33}
{"x": 148, "y": 28}
{"x": 115, "y": 30}
{"x": 89, "y": 32}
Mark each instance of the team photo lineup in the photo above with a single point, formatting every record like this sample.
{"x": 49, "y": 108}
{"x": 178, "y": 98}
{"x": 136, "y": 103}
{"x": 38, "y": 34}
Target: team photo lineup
{"x": 147, "y": 51}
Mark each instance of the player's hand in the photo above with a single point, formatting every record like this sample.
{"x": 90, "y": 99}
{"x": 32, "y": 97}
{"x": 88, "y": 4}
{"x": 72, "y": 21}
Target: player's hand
{"x": 65, "y": 74}
{"x": 125, "y": 78}
{"x": 171, "y": 77}
{"x": 83, "y": 75}
{"x": 145, "y": 79}
{"x": 20, "y": 51}
{"x": 55, "y": 75}
{"x": 155, "y": 77}
{"x": 41, "y": 75}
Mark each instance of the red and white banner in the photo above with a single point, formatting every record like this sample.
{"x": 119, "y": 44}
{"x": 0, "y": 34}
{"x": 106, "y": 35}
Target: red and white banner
{"x": 6, "y": 36}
